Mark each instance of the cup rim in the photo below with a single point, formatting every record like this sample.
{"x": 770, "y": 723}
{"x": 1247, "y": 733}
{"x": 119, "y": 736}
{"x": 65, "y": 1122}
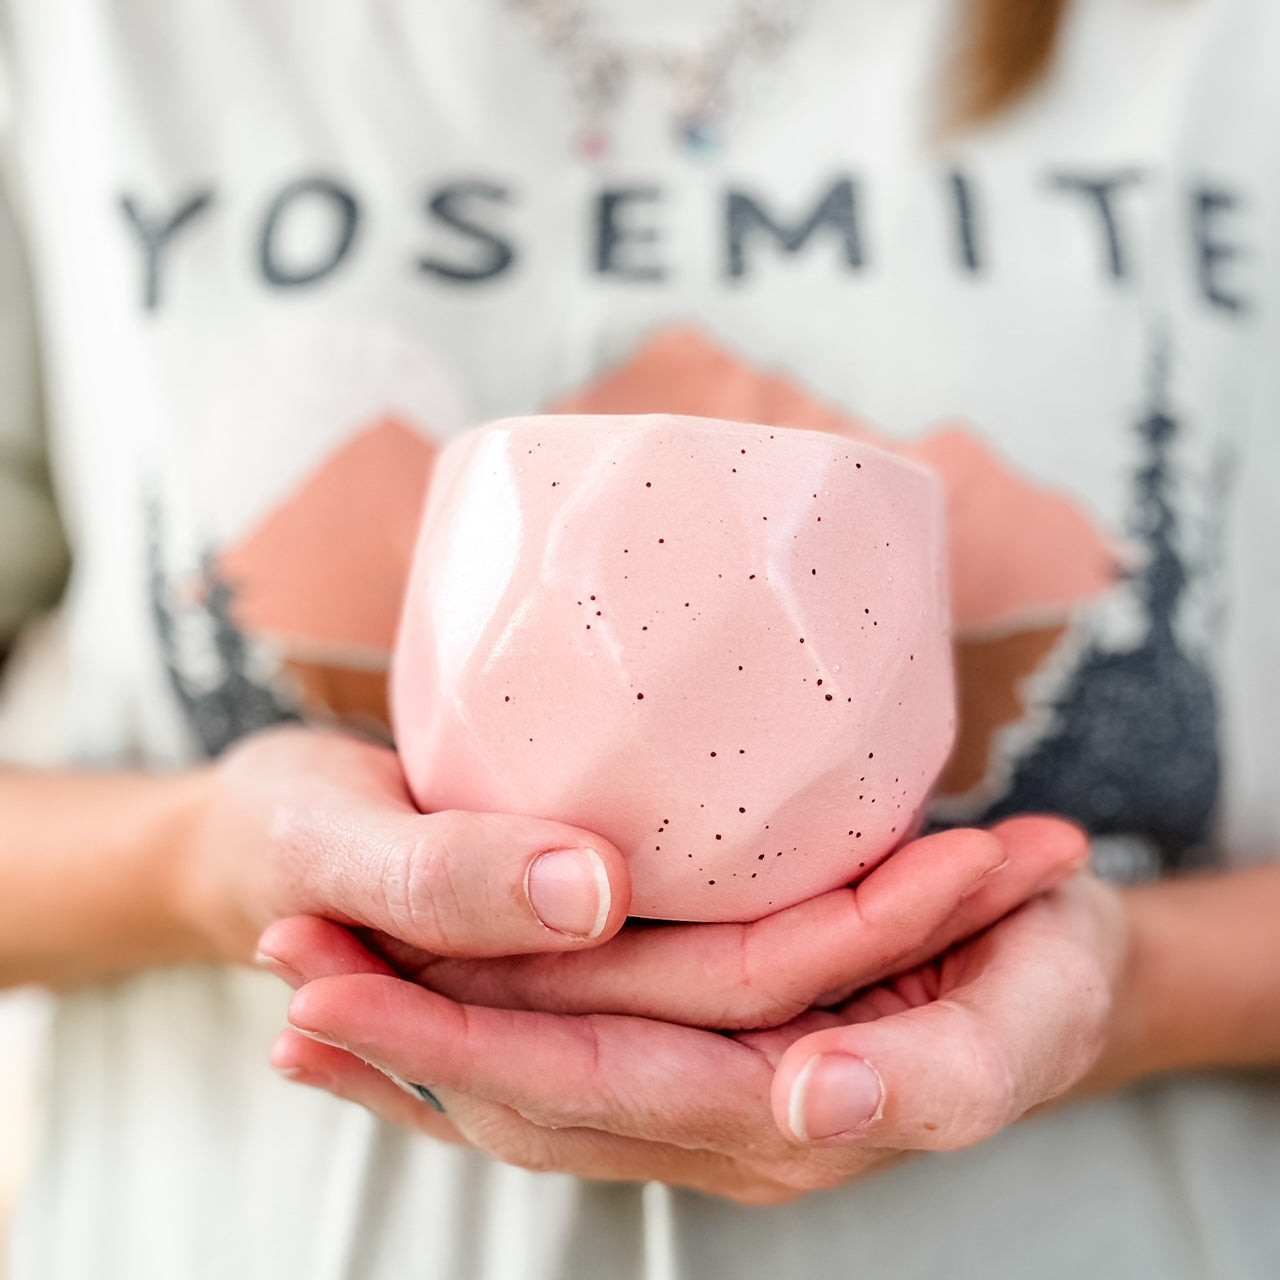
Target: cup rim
{"x": 702, "y": 425}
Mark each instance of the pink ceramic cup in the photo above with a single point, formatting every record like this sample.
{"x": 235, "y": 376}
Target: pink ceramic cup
{"x": 723, "y": 647}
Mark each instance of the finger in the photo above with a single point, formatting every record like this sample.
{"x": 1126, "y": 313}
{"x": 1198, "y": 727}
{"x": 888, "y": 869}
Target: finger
{"x": 464, "y": 884}
{"x": 1041, "y": 853}
{"x": 734, "y": 976}
{"x": 321, "y": 1066}
{"x": 606, "y": 1157}
{"x": 587, "y": 1153}
{"x": 626, "y": 1076}
{"x": 302, "y": 948}
{"x": 1021, "y": 1025}
{"x": 602, "y": 1156}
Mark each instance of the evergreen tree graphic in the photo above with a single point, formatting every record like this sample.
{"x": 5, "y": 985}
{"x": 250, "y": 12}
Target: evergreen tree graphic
{"x": 228, "y": 704}
{"x": 1132, "y": 745}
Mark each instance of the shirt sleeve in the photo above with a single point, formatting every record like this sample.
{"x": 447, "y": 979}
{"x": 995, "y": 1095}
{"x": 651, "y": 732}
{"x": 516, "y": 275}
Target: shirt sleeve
{"x": 32, "y": 548}
{"x": 1253, "y": 632}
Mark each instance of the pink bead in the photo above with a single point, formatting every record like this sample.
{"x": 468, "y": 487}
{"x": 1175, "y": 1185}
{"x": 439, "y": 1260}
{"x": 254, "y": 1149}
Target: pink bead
{"x": 594, "y": 144}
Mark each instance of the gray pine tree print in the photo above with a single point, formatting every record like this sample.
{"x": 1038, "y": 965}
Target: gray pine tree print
{"x": 1132, "y": 749}
{"x": 224, "y": 702}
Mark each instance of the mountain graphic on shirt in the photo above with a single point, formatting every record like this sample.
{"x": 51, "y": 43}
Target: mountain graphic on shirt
{"x": 1132, "y": 749}
{"x": 321, "y": 578}
{"x": 297, "y": 618}
{"x": 216, "y": 672}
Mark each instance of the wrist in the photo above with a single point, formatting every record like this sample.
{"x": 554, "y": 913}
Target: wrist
{"x": 1200, "y": 986}
{"x": 94, "y": 868}
{"x": 209, "y": 877}
{"x": 187, "y": 895}
{"x": 1137, "y": 1042}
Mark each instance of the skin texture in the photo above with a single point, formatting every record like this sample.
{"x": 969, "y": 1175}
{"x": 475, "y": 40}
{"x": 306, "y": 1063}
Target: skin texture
{"x": 646, "y": 1052}
{"x": 341, "y": 831}
{"x": 930, "y": 895}
{"x": 632, "y": 1095}
{"x": 106, "y": 875}
{"x": 1080, "y": 990}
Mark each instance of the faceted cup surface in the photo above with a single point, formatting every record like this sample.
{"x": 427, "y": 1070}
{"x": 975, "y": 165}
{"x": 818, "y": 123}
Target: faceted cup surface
{"x": 723, "y": 647}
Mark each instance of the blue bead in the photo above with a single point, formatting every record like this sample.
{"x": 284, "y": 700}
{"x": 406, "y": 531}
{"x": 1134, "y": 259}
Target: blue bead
{"x": 702, "y": 138}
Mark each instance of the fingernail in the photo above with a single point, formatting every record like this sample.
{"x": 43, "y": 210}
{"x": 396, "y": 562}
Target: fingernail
{"x": 286, "y": 973}
{"x": 981, "y": 881}
{"x": 834, "y": 1093}
{"x": 569, "y": 892}
{"x": 303, "y": 1075}
{"x": 319, "y": 1037}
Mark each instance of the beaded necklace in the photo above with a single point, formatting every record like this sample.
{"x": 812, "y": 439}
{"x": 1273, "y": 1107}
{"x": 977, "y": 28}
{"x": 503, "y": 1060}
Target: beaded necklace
{"x": 600, "y": 66}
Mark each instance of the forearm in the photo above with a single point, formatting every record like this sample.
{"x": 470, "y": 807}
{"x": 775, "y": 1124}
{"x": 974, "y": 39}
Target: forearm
{"x": 1202, "y": 983}
{"x": 90, "y": 876}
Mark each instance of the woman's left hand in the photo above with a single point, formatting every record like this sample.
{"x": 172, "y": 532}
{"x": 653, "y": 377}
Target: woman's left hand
{"x": 941, "y": 1057}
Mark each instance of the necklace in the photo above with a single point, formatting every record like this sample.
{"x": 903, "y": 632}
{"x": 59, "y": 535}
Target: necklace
{"x": 600, "y": 66}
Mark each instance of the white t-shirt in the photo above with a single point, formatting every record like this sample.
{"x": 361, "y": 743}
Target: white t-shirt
{"x": 274, "y": 251}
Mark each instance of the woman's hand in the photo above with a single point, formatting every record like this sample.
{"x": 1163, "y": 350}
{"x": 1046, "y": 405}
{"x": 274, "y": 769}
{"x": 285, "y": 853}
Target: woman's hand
{"x": 940, "y": 1057}
{"x": 931, "y": 894}
{"x": 949, "y": 1054}
{"x": 298, "y": 821}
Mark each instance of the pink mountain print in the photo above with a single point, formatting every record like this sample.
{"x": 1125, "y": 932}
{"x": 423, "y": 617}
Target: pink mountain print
{"x": 322, "y": 576}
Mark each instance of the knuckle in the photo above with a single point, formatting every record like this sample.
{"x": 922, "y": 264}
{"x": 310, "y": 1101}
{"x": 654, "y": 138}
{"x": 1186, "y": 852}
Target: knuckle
{"x": 761, "y": 995}
{"x": 420, "y": 891}
{"x": 589, "y": 1102}
{"x": 395, "y": 891}
{"x": 872, "y": 912}
{"x": 596, "y": 1097}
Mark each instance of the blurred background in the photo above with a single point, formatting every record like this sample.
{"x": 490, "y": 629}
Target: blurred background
{"x": 23, "y": 1020}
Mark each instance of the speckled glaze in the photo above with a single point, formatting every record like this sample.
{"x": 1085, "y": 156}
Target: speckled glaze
{"x": 723, "y": 647}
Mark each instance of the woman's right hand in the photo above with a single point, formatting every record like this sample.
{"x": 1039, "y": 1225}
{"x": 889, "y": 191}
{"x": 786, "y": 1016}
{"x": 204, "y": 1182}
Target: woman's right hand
{"x": 302, "y": 822}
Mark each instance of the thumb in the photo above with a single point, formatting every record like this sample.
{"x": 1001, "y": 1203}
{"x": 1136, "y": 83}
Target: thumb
{"x": 1022, "y": 1027}
{"x": 473, "y": 884}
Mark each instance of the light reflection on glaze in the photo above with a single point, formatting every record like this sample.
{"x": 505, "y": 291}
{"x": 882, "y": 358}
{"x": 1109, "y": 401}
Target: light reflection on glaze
{"x": 474, "y": 560}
